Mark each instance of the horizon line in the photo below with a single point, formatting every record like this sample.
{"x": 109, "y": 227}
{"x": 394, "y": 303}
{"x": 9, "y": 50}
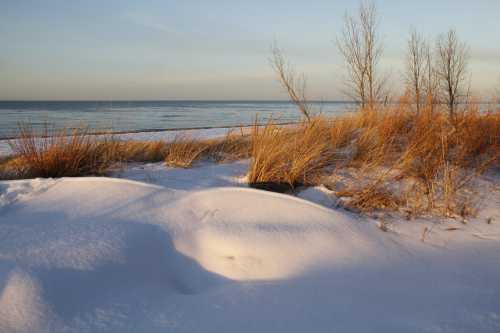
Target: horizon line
{"x": 174, "y": 100}
{"x": 486, "y": 101}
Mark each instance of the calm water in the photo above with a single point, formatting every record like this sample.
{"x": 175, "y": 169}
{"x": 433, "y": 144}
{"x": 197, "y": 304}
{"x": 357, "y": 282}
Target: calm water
{"x": 150, "y": 115}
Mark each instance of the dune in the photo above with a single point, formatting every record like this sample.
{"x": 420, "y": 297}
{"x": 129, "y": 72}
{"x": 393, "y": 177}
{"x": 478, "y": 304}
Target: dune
{"x": 114, "y": 255}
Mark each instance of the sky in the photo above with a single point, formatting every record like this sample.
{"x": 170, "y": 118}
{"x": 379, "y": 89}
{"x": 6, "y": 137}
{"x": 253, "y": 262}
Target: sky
{"x": 214, "y": 50}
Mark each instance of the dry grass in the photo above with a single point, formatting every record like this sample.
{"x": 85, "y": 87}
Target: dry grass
{"x": 234, "y": 146}
{"x": 7, "y": 168}
{"x": 66, "y": 153}
{"x": 141, "y": 151}
{"x": 402, "y": 160}
{"x": 419, "y": 162}
{"x": 439, "y": 157}
{"x": 184, "y": 151}
{"x": 78, "y": 152}
{"x": 284, "y": 158}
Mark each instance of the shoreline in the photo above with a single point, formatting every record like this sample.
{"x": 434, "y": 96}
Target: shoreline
{"x": 157, "y": 130}
{"x": 148, "y": 135}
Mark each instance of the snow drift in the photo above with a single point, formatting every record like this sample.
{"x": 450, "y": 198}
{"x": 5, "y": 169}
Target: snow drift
{"x": 97, "y": 254}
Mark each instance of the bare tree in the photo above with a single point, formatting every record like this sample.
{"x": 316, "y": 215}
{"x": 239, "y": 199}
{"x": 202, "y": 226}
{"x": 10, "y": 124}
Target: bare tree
{"x": 361, "y": 48}
{"x": 373, "y": 49}
{"x": 451, "y": 69}
{"x": 431, "y": 81}
{"x": 416, "y": 61}
{"x": 295, "y": 85}
{"x": 351, "y": 48}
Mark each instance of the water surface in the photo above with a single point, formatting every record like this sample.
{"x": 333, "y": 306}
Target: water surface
{"x": 131, "y": 116}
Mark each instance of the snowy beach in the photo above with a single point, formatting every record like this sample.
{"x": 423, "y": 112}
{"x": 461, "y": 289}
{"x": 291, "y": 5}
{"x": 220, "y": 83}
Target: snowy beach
{"x": 249, "y": 166}
{"x": 191, "y": 250}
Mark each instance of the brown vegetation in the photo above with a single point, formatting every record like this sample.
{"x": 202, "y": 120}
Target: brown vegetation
{"x": 397, "y": 159}
{"x": 65, "y": 153}
{"x": 430, "y": 161}
{"x": 141, "y": 151}
{"x": 184, "y": 151}
{"x": 403, "y": 160}
{"x": 283, "y": 158}
{"x": 78, "y": 152}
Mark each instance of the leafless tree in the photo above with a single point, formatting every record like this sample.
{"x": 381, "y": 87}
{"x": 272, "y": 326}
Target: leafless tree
{"x": 295, "y": 85}
{"x": 451, "y": 69}
{"x": 361, "y": 48}
{"x": 431, "y": 80}
{"x": 416, "y": 61}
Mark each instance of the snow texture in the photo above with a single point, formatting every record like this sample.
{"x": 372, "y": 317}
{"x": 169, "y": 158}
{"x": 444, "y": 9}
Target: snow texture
{"x": 194, "y": 253}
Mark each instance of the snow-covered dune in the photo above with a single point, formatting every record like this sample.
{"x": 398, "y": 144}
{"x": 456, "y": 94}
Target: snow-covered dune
{"x": 109, "y": 255}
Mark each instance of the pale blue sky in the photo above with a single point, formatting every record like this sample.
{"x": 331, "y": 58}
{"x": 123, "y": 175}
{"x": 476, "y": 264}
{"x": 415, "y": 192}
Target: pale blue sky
{"x": 172, "y": 49}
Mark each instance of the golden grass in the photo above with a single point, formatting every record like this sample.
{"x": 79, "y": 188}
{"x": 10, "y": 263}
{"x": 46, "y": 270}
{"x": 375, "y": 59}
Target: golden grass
{"x": 141, "y": 151}
{"x": 442, "y": 157}
{"x": 183, "y": 151}
{"x": 283, "y": 158}
{"x": 66, "y": 153}
{"x": 387, "y": 145}
{"x": 233, "y": 146}
{"x": 418, "y": 163}
{"x": 7, "y": 169}
{"x": 78, "y": 152}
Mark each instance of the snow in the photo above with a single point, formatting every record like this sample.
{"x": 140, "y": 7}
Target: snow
{"x": 174, "y": 250}
{"x": 204, "y": 175}
{"x": 320, "y": 195}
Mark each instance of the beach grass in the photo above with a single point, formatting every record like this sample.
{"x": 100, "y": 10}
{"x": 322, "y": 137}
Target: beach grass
{"x": 398, "y": 159}
{"x": 79, "y": 152}
{"x": 286, "y": 157}
{"x": 63, "y": 153}
{"x": 419, "y": 162}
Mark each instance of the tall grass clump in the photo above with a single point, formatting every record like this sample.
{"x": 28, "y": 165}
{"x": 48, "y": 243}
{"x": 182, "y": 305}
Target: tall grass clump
{"x": 284, "y": 158}
{"x": 65, "y": 153}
